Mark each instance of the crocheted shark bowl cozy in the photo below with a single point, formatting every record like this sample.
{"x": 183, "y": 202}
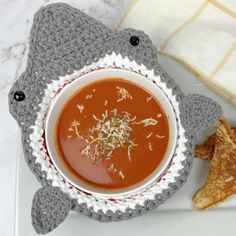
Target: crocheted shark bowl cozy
{"x": 65, "y": 44}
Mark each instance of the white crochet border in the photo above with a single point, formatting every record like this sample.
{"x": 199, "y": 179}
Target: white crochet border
{"x": 101, "y": 203}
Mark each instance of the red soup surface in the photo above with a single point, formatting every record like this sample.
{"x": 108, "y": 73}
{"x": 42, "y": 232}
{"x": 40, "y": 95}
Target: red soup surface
{"x": 112, "y": 134}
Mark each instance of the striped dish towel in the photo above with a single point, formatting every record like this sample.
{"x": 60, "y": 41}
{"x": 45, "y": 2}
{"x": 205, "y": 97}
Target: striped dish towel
{"x": 198, "y": 33}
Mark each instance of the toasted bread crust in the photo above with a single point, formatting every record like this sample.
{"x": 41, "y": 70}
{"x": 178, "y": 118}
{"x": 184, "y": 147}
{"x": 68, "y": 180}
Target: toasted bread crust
{"x": 206, "y": 150}
{"x": 221, "y": 180}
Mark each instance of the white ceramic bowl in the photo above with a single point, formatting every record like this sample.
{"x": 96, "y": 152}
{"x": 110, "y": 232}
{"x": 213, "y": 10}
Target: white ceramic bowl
{"x": 75, "y": 86}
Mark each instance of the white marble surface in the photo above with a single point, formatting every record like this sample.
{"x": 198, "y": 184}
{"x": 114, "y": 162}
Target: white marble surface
{"x": 15, "y": 22}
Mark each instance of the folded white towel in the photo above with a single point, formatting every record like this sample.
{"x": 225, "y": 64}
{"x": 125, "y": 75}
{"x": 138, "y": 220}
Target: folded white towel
{"x": 200, "y": 34}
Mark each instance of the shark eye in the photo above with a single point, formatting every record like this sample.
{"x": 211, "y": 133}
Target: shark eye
{"x": 19, "y": 96}
{"x": 134, "y": 40}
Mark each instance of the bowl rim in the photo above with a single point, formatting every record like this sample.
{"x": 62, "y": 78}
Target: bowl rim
{"x": 84, "y": 80}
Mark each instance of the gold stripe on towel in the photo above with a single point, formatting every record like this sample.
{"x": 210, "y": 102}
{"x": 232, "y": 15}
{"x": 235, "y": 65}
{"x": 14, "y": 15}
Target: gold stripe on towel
{"x": 225, "y": 93}
{"x": 223, "y": 8}
{"x": 191, "y": 20}
{"x": 223, "y": 61}
{"x": 194, "y": 70}
{"x": 131, "y": 6}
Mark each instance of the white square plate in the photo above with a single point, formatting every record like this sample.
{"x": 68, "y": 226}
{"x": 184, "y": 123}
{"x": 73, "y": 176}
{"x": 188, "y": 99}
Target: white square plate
{"x": 176, "y": 216}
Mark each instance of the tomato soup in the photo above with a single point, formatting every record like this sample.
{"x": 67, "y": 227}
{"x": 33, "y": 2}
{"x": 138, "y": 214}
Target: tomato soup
{"x": 112, "y": 134}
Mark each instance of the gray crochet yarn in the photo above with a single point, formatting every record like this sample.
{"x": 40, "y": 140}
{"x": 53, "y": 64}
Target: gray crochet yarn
{"x": 64, "y": 39}
{"x": 50, "y": 207}
{"x": 198, "y": 111}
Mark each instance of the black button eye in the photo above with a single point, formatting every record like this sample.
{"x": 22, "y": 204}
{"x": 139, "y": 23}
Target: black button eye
{"x": 134, "y": 40}
{"x": 19, "y": 96}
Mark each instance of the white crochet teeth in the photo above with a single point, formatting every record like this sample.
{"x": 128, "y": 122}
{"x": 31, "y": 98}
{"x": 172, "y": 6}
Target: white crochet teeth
{"x": 98, "y": 203}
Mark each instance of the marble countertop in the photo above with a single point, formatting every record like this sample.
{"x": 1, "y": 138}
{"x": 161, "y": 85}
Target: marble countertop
{"x": 15, "y": 23}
